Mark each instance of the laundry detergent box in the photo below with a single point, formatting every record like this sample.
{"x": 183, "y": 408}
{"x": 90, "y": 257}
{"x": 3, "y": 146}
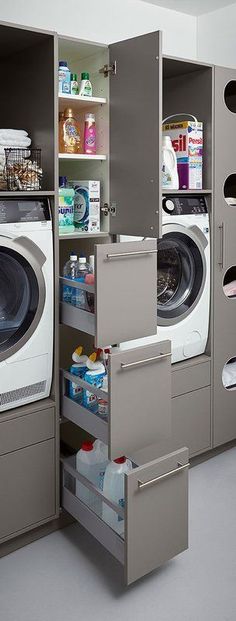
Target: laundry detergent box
{"x": 187, "y": 141}
{"x": 86, "y": 205}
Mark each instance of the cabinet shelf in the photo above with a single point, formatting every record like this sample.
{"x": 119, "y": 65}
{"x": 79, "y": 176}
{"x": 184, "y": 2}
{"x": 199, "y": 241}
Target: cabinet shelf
{"x": 203, "y": 191}
{"x": 81, "y": 156}
{"x": 11, "y": 194}
{"x": 79, "y": 102}
{"x": 82, "y": 235}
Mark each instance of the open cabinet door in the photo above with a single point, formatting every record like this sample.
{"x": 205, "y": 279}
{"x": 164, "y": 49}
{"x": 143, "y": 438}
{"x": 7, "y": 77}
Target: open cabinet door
{"x": 135, "y": 135}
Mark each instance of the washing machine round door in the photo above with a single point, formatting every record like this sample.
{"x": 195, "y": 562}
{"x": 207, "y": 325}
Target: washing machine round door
{"x": 181, "y": 269}
{"x": 22, "y": 293}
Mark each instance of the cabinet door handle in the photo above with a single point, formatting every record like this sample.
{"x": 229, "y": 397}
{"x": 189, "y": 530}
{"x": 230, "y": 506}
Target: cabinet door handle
{"x": 221, "y": 262}
{"x": 128, "y": 365}
{"x": 133, "y": 253}
{"x": 167, "y": 475}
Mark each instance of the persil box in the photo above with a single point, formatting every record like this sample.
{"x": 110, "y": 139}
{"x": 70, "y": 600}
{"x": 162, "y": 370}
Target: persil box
{"x": 187, "y": 141}
{"x": 86, "y": 205}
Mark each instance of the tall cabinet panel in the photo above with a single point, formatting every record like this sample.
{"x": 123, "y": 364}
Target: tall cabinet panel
{"x": 224, "y": 301}
{"x": 135, "y": 127}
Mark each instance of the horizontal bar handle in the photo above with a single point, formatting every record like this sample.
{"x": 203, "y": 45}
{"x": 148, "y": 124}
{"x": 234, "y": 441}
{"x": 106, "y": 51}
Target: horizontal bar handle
{"x": 167, "y": 475}
{"x": 76, "y": 284}
{"x": 134, "y": 253}
{"x": 128, "y": 365}
{"x": 76, "y": 475}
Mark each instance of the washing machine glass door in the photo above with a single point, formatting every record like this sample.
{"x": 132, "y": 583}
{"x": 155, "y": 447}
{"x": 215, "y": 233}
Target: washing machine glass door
{"x": 181, "y": 275}
{"x": 19, "y": 300}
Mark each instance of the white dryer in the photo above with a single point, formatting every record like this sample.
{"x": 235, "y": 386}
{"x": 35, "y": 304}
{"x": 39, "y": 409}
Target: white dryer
{"x": 26, "y": 301}
{"x": 183, "y": 282}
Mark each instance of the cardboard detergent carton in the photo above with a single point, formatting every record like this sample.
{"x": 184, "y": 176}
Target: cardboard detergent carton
{"x": 86, "y": 205}
{"x": 187, "y": 141}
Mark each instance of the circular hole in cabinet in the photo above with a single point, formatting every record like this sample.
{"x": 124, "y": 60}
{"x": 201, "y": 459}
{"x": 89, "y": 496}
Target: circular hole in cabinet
{"x": 230, "y": 95}
{"x": 230, "y": 190}
{"x": 229, "y": 283}
{"x": 229, "y": 374}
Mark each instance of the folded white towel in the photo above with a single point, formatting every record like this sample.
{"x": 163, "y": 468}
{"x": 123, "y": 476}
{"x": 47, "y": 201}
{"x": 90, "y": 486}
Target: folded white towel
{"x": 13, "y": 133}
{"x": 18, "y": 142}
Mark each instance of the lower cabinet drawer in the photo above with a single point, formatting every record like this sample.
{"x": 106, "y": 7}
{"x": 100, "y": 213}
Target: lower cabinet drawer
{"x": 191, "y": 420}
{"x": 138, "y": 414}
{"x": 27, "y": 488}
{"x": 152, "y": 527}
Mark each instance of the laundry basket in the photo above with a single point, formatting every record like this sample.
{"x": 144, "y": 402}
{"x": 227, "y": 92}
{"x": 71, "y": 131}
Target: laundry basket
{"x": 23, "y": 169}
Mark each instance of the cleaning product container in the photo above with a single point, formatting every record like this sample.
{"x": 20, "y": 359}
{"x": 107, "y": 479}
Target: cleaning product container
{"x": 170, "y": 178}
{"x": 113, "y": 488}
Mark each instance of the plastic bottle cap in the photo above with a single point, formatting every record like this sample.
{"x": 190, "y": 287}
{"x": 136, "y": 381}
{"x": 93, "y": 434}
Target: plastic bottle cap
{"x": 87, "y": 446}
{"x": 73, "y": 77}
{"x": 120, "y": 460}
{"x": 68, "y": 113}
{"x": 90, "y": 117}
{"x": 166, "y": 141}
{"x": 62, "y": 182}
{"x": 82, "y": 259}
{"x": 62, "y": 63}
{"x": 84, "y": 76}
{"x": 73, "y": 256}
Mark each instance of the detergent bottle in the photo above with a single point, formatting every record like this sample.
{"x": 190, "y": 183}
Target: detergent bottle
{"x": 79, "y": 369}
{"x": 170, "y": 177}
{"x": 114, "y": 489}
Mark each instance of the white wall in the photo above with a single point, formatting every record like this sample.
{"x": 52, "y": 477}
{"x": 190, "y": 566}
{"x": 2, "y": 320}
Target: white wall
{"x": 216, "y": 37}
{"x": 106, "y": 21}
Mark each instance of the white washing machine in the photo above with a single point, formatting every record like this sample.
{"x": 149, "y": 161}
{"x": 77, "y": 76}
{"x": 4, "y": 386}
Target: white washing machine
{"x": 183, "y": 282}
{"x": 26, "y": 301}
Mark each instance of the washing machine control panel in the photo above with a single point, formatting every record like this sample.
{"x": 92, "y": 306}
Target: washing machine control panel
{"x": 179, "y": 205}
{"x": 14, "y": 210}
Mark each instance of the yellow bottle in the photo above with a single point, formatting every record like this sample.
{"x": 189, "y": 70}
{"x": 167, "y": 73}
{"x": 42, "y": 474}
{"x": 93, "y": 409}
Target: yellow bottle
{"x": 69, "y": 133}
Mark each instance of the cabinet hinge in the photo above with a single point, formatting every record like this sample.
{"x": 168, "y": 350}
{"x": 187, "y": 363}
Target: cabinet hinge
{"x": 109, "y": 209}
{"x": 108, "y": 69}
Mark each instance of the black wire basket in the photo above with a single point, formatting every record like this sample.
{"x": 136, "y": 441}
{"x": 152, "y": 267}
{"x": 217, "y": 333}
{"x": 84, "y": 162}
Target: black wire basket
{"x": 23, "y": 169}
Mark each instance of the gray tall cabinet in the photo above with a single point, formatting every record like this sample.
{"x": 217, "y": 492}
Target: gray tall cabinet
{"x": 158, "y": 413}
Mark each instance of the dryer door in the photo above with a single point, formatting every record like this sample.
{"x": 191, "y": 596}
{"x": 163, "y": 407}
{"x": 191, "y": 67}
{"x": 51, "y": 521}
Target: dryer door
{"x": 22, "y": 292}
{"x": 181, "y": 272}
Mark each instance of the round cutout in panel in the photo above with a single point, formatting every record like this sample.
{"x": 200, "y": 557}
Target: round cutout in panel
{"x": 229, "y": 374}
{"x": 230, "y": 95}
{"x": 230, "y": 190}
{"x": 229, "y": 282}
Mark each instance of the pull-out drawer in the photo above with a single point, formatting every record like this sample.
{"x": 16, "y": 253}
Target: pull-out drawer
{"x": 124, "y": 305}
{"x": 138, "y": 397}
{"x": 152, "y": 527}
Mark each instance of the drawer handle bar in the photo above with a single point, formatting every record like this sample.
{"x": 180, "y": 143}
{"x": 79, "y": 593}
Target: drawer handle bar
{"x": 134, "y": 253}
{"x": 129, "y": 365}
{"x": 171, "y": 473}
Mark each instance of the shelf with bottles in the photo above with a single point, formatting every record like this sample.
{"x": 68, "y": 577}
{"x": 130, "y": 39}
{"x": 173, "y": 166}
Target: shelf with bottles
{"x": 79, "y": 102}
{"x": 82, "y": 156}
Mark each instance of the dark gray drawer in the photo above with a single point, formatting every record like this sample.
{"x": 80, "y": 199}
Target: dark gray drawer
{"x": 155, "y": 516}
{"x": 27, "y": 488}
{"x": 191, "y": 420}
{"x": 25, "y": 430}
{"x": 189, "y": 376}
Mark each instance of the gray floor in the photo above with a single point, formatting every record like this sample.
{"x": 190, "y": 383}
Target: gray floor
{"x": 67, "y": 576}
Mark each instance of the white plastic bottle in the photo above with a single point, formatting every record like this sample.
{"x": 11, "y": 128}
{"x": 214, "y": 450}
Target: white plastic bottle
{"x": 64, "y": 78}
{"x": 170, "y": 177}
{"x": 91, "y": 462}
{"x": 113, "y": 488}
{"x": 85, "y": 86}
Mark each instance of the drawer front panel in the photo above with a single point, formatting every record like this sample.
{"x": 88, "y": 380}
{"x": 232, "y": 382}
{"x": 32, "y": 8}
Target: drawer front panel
{"x": 139, "y": 400}
{"x": 156, "y": 513}
{"x": 27, "y": 488}
{"x": 191, "y": 420}
{"x": 25, "y": 430}
{"x": 190, "y": 378}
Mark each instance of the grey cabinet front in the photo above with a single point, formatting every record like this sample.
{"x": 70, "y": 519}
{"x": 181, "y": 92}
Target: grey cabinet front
{"x": 156, "y": 513}
{"x": 224, "y": 309}
{"x": 139, "y": 400}
{"x": 27, "y": 488}
{"x": 135, "y": 135}
{"x": 125, "y": 294}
